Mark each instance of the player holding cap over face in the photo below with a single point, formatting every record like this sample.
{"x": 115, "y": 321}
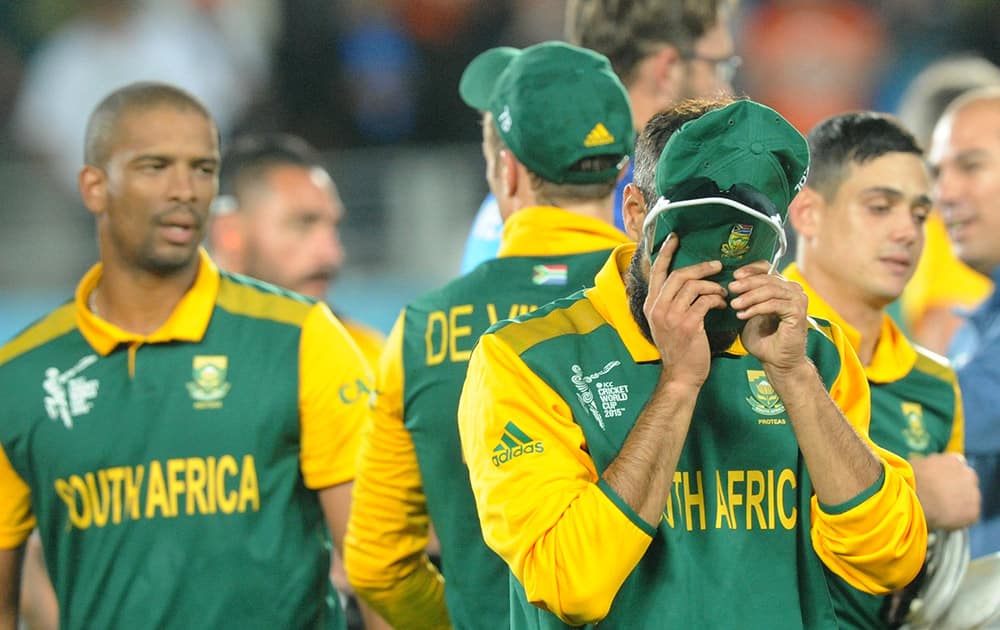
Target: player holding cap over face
{"x": 697, "y": 439}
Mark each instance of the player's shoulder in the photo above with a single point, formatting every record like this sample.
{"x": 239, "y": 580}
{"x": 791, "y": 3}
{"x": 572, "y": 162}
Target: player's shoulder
{"x": 248, "y": 297}
{"x": 934, "y": 365}
{"x": 470, "y": 288}
{"x": 40, "y": 333}
{"x": 571, "y": 315}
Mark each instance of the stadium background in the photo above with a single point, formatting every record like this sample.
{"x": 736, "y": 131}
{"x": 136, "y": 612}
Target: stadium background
{"x": 373, "y": 84}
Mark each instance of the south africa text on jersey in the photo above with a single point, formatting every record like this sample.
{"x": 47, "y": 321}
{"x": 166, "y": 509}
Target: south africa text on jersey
{"x": 733, "y": 499}
{"x": 175, "y": 487}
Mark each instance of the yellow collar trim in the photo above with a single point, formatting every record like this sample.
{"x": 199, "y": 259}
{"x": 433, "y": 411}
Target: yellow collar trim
{"x": 610, "y": 300}
{"x": 894, "y": 355}
{"x": 188, "y": 322}
{"x": 551, "y": 231}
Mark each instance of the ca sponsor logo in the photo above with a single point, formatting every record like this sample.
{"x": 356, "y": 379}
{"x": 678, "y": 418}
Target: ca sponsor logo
{"x": 514, "y": 443}
{"x": 208, "y": 385}
{"x": 67, "y": 394}
{"x": 915, "y": 434}
{"x": 763, "y": 399}
{"x": 607, "y": 392}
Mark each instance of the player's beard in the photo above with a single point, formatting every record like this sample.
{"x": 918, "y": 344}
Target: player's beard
{"x": 636, "y": 291}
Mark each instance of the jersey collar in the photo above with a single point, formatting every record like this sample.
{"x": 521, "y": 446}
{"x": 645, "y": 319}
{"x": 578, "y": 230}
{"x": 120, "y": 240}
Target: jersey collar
{"x": 894, "y": 355}
{"x": 552, "y": 231}
{"x": 188, "y": 322}
{"x": 610, "y": 300}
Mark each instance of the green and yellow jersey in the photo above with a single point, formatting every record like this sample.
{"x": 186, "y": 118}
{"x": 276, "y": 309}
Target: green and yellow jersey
{"x": 410, "y": 468}
{"x": 916, "y": 411}
{"x": 173, "y": 476}
{"x": 548, "y": 402}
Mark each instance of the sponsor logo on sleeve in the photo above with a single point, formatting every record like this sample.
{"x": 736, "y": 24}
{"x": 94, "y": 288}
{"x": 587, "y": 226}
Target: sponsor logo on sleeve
{"x": 513, "y": 444}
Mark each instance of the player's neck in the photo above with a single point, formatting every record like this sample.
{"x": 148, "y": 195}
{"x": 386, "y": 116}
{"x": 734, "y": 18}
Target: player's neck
{"x": 602, "y": 210}
{"x": 854, "y": 308}
{"x": 138, "y": 301}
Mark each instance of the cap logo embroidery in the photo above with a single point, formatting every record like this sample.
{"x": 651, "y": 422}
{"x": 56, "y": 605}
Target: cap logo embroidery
{"x": 739, "y": 241}
{"x": 598, "y": 136}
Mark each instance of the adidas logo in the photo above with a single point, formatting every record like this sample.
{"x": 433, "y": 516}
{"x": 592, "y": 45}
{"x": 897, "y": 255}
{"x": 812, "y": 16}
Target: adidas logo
{"x": 514, "y": 443}
{"x": 598, "y": 136}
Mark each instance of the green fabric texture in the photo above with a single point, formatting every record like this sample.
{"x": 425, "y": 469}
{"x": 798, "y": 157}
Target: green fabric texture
{"x": 911, "y": 416}
{"x": 553, "y": 104}
{"x": 160, "y": 509}
{"x": 440, "y": 331}
{"x": 742, "y": 143}
{"x": 733, "y": 547}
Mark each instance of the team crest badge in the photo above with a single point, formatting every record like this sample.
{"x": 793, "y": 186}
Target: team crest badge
{"x": 915, "y": 434}
{"x": 209, "y": 386}
{"x": 763, "y": 399}
{"x": 739, "y": 241}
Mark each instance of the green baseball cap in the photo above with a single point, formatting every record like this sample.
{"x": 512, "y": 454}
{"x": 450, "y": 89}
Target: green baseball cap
{"x": 725, "y": 180}
{"x": 742, "y": 143}
{"x": 553, "y": 104}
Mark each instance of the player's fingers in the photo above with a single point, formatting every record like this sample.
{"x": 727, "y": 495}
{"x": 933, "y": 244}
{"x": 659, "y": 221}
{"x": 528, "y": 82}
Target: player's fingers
{"x": 658, "y": 270}
{"x": 693, "y": 289}
{"x": 752, "y": 269}
{"x": 778, "y": 307}
{"x": 704, "y": 304}
{"x": 750, "y": 283}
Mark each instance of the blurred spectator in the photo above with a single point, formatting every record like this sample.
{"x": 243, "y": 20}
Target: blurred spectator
{"x": 810, "y": 59}
{"x": 941, "y": 282}
{"x": 382, "y": 62}
{"x": 113, "y": 42}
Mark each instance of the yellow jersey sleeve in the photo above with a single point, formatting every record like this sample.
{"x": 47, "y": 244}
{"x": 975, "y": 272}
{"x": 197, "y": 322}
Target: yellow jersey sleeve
{"x": 877, "y": 545}
{"x": 335, "y": 384}
{"x": 369, "y": 341}
{"x": 387, "y": 531}
{"x": 546, "y": 513}
{"x": 956, "y": 443}
{"x": 16, "y": 518}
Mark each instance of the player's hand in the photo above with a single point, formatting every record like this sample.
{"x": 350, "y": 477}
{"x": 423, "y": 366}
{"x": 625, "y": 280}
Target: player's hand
{"x": 775, "y": 312}
{"x": 675, "y": 309}
{"x": 948, "y": 489}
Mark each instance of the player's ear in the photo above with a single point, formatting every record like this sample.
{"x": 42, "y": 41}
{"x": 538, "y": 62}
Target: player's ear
{"x": 633, "y": 211}
{"x": 93, "y": 185}
{"x": 510, "y": 176}
{"x": 804, "y": 212}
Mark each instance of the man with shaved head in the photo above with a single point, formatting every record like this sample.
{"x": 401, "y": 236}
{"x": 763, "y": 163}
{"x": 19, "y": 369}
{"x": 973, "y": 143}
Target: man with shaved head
{"x": 965, "y": 158}
{"x": 167, "y": 427}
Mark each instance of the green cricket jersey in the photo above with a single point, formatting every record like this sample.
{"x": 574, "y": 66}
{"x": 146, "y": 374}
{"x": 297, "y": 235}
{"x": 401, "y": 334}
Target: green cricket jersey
{"x": 742, "y": 542}
{"x": 173, "y": 476}
{"x": 411, "y": 462}
{"x": 916, "y": 410}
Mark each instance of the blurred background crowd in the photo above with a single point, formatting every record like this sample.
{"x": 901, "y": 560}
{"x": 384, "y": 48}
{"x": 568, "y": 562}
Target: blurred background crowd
{"x": 373, "y": 85}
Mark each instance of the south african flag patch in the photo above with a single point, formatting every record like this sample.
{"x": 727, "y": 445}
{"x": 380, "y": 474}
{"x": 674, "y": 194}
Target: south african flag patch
{"x": 549, "y": 275}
